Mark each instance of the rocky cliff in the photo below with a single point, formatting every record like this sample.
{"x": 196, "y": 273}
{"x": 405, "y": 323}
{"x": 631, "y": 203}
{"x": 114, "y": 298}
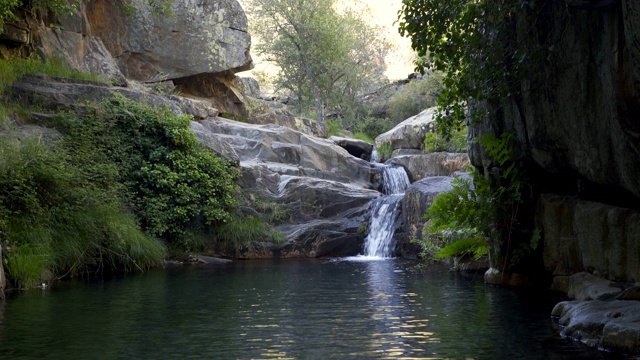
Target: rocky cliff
{"x": 576, "y": 121}
{"x": 196, "y": 49}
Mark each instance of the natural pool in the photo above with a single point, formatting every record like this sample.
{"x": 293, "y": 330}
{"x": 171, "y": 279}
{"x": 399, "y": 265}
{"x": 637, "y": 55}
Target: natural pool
{"x": 293, "y": 309}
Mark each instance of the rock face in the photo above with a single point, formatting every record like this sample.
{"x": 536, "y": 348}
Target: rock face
{"x": 417, "y": 199}
{"x": 409, "y": 134}
{"x": 575, "y": 120}
{"x": 198, "y": 47}
{"x": 578, "y": 112}
{"x": 69, "y": 94}
{"x": 199, "y": 37}
{"x": 324, "y": 188}
{"x": 432, "y": 164}
{"x": 589, "y": 236}
{"x": 80, "y": 52}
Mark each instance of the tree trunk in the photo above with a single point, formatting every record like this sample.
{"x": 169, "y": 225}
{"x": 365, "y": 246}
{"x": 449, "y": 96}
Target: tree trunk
{"x": 316, "y": 94}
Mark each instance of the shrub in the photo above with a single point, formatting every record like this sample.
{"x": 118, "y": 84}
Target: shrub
{"x": 415, "y": 97}
{"x": 55, "y": 218}
{"x": 239, "y": 231}
{"x": 169, "y": 179}
{"x": 456, "y": 143}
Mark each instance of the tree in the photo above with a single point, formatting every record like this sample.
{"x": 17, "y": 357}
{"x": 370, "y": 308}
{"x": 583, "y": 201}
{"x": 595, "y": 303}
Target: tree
{"x": 475, "y": 44}
{"x": 324, "y": 50}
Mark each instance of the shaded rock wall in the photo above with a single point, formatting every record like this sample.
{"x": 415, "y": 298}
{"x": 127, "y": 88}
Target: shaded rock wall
{"x": 576, "y": 120}
{"x": 579, "y": 109}
{"x": 589, "y": 236}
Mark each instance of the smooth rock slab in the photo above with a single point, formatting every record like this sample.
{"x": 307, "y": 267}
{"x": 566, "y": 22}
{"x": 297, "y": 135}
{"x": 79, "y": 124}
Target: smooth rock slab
{"x": 409, "y": 134}
{"x": 433, "y": 164}
{"x": 585, "y": 286}
{"x": 613, "y": 325}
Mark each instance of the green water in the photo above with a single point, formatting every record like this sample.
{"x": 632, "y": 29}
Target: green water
{"x": 312, "y": 309}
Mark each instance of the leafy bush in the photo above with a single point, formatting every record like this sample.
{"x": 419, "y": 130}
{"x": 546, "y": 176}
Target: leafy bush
{"x": 415, "y": 97}
{"x": 242, "y": 230}
{"x": 170, "y": 180}
{"x": 458, "y": 220}
{"x": 466, "y": 219}
{"x": 55, "y": 218}
{"x": 456, "y": 143}
{"x": 384, "y": 152}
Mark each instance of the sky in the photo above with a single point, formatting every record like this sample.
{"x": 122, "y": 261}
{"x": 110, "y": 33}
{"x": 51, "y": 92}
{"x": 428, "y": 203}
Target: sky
{"x": 384, "y": 13}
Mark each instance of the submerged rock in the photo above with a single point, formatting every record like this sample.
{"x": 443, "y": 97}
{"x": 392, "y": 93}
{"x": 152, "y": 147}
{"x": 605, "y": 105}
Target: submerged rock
{"x": 498, "y": 277}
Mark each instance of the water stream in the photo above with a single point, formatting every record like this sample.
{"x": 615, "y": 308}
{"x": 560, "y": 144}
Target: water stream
{"x": 385, "y": 212}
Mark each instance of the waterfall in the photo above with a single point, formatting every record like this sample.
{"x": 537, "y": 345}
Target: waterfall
{"x": 385, "y": 212}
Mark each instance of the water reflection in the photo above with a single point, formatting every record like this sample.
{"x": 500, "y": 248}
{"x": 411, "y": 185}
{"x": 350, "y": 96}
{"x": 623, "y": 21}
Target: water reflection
{"x": 285, "y": 310}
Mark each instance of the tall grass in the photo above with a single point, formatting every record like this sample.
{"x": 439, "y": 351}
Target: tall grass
{"x": 12, "y": 69}
{"x": 56, "y": 219}
{"x": 240, "y": 231}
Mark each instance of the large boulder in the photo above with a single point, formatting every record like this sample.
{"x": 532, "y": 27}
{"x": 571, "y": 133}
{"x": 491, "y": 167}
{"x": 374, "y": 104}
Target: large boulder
{"x": 611, "y": 325}
{"x": 80, "y": 52}
{"x": 198, "y": 37}
{"x": 355, "y": 147}
{"x": 417, "y": 199}
{"x": 198, "y": 47}
{"x": 585, "y": 286}
{"x": 288, "y": 152}
{"x": 589, "y": 236}
{"x": 409, "y": 134}
{"x": 283, "y": 117}
{"x": 432, "y": 164}
{"x": 325, "y": 189}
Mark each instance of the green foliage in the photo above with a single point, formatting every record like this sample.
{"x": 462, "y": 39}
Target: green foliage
{"x": 57, "y": 217}
{"x": 14, "y": 68}
{"x": 335, "y": 128}
{"x": 171, "y": 182}
{"x": 325, "y": 52}
{"x": 277, "y": 238}
{"x": 240, "y": 231}
{"x": 363, "y": 137}
{"x": 384, "y": 152}
{"x": 466, "y": 219}
{"x": 457, "y": 141}
{"x": 414, "y": 97}
{"x": 363, "y": 229}
{"x": 474, "y": 44}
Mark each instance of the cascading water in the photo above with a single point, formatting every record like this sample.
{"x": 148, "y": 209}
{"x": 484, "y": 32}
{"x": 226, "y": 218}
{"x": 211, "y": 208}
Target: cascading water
{"x": 385, "y": 212}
